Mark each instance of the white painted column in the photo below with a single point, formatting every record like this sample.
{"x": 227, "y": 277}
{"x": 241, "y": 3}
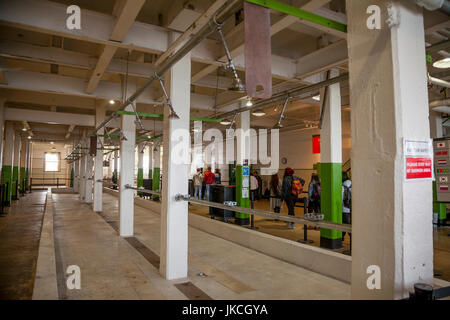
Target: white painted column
{"x": 126, "y": 196}
{"x": 83, "y": 166}
{"x": 89, "y": 175}
{"x": 8, "y": 159}
{"x": 76, "y": 182}
{"x": 150, "y": 160}
{"x": 436, "y": 128}
{"x": 242, "y": 137}
{"x": 391, "y": 219}
{"x": 98, "y": 165}
{"x": 16, "y": 165}
{"x": 140, "y": 170}
{"x": 331, "y": 163}
{"x": 176, "y": 157}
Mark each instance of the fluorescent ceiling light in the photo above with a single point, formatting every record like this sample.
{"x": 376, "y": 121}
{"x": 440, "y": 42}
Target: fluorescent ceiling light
{"x": 225, "y": 122}
{"x": 258, "y": 113}
{"x": 442, "y": 64}
{"x": 317, "y": 98}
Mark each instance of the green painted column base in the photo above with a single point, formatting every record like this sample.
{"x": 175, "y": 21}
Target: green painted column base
{"x": 27, "y": 178}
{"x": 15, "y": 183}
{"x": 240, "y": 218}
{"x": 6, "y": 179}
{"x": 439, "y": 208}
{"x": 140, "y": 179}
{"x": 331, "y": 203}
{"x": 115, "y": 179}
{"x": 155, "y": 184}
{"x": 22, "y": 179}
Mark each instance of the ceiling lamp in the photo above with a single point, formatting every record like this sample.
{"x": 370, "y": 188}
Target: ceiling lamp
{"x": 225, "y": 122}
{"x": 237, "y": 85}
{"x": 442, "y": 64}
{"x": 29, "y": 137}
{"x": 317, "y": 98}
{"x": 51, "y": 142}
{"x": 24, "y": 129}
{"x": 249, "y": 103}
{"x": 112, "y": 102}
{"x": 258, "y": 113}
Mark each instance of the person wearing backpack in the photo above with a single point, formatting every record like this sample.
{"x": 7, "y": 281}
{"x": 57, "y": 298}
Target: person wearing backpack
{"x": 346, "y": 202}
{"x": 291, "y": 188}
{"x": 314, "y": 196}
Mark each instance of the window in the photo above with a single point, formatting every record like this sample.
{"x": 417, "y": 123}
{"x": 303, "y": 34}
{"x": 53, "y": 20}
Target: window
{"x": 51, "y": 161}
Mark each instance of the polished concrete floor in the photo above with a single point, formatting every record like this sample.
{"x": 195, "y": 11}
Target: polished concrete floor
{"x": 34, "y": 264}
{"x": 116, "y": 268}
{"x": 20, "y": 232}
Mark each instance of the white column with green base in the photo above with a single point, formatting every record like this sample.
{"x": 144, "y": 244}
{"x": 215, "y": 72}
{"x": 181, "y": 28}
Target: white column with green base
{"x": 331, "y": 164}
{"x": 176, "y": 155}
{"x": 2, "y": 131}
{"x": 8, "y": 157}
{"x": 127, "y": 162}
{"x": 16, "y": 167}
{"x": 242, "y": 162}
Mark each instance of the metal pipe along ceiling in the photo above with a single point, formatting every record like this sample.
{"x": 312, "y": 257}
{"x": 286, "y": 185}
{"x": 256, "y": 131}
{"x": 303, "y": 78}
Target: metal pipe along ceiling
{"x": 223, "y": 14}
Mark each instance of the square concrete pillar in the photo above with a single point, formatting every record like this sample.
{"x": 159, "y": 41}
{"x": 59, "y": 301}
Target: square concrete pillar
{"x": 391, "y": 218}
{"x": 176, "y": 157}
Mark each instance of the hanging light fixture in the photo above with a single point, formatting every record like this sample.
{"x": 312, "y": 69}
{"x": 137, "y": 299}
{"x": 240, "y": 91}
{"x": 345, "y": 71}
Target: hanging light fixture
{"x": 258, "y": 113}
{"x": 317, "y": 98}
{"x": 237, "y": 84}
{"x": 442, "y": 64}
{"x": 249, "y": 103}
{"x": 225, "y": 122}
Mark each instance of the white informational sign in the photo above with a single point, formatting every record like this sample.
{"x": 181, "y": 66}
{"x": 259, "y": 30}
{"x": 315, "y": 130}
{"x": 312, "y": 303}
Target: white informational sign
{"x": 245, "y": 182}
{"x": 418, "y": 160}
{"x": 244, "y": 193}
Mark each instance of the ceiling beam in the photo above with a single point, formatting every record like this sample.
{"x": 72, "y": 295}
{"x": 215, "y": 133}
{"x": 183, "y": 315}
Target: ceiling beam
{"x": 323, "y": 59}
{"x": 194, "y": 27}
{"x": 128, "y": 13}
{"x": 69, "y": 86}
{"x": 69, "y": 131}
{"x": 39, "y": 16}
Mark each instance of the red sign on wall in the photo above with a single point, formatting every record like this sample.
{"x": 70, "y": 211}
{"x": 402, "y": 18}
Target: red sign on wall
{"x": 418, "y": 168}
{"x": 316, "y": 144}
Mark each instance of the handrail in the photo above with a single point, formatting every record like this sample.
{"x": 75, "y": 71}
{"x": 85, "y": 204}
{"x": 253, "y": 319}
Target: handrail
{"x": 269, "y": 214}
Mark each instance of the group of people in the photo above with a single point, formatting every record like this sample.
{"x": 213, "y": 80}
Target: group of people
{"x": 289, "y": 189}
{"x": 208, "y": 178}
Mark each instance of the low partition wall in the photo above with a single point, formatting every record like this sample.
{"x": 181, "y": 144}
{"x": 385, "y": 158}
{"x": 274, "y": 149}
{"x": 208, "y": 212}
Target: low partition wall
{"x": 328, "y": 263}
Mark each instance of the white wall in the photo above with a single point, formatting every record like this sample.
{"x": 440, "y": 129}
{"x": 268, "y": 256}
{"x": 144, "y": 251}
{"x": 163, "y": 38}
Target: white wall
{"x": 37, "y": 164}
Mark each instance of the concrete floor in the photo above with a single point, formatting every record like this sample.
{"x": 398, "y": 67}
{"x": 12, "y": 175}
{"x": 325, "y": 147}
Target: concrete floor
{"x": 20, "y": 232}
{"x": 116, "y": 268}
{"x": 111, "y": 268}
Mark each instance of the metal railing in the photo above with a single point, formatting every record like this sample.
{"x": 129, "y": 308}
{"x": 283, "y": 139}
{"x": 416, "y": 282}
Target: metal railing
{"x": 54, "y": 182}
{"x": 269, "y": 214}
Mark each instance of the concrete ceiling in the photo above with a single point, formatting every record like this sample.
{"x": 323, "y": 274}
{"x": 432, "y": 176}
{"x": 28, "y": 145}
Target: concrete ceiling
{"x": 46, "y": 68}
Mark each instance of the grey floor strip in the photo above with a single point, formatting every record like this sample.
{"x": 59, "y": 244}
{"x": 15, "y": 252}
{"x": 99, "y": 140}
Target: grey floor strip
{"x": 187, "y": 288}
{"x": 60, "y": 272}
{"x": 192, "y": 292}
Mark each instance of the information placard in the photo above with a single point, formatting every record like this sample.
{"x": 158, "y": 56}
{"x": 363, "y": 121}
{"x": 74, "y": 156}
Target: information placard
{"x": 418, "y": 156}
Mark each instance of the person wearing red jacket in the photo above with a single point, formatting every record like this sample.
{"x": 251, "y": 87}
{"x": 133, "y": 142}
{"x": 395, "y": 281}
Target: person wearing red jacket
{"x": 209, "y": 178}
